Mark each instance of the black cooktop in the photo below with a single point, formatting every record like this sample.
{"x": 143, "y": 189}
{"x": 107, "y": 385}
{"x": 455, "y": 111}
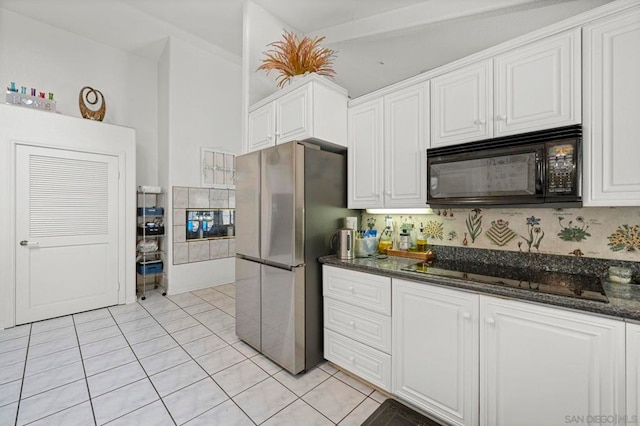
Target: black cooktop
{"x": 587, "y": 287}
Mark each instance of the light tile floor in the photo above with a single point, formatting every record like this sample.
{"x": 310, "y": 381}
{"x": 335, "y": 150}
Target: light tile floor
{"x": 163, "y": 361}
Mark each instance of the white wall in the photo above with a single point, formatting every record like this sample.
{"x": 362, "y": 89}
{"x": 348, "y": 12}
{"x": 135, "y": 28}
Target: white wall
{"x": 202, "y": 109}
{"x": 260, "y": 29}
{"x": 49, "y": 59}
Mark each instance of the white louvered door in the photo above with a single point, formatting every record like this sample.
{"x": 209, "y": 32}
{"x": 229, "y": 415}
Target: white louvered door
{"x": 67, "y": 231}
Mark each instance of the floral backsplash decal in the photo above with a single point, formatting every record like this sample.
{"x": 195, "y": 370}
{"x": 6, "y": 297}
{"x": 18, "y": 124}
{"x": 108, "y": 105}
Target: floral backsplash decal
{"x": 474, "y": 224}
{"x": 434, "y": 229}
{"x": 625, "y": 238}
{"x": 535, "y": 234}
{"x": 608, "y": 233}
{"x": 573, "y": 232}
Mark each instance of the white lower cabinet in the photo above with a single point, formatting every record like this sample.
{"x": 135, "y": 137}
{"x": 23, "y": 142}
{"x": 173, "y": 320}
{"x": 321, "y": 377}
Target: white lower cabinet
{"x": 357, "y": 323}
{"x": 435, "y": 350}
{"x": 633, "y": 373}
{"x": 370, "y": 364}
{"x": 470, "y": 359}
{"x": 546, "y": 366}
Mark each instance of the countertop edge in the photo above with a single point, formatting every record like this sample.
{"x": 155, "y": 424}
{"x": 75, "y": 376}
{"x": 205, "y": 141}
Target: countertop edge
{"x": 617, "y": 308}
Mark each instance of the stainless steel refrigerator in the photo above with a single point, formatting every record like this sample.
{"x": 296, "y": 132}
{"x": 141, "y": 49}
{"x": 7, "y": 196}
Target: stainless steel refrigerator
{"x": 290, "y": 198}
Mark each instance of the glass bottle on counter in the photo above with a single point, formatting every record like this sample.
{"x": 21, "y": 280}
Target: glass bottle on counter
{"x": 413, "y": 238}
{"x": 404, "y": 240}
{"x": 421, "y": 240}
{"x": 385, "y": 241}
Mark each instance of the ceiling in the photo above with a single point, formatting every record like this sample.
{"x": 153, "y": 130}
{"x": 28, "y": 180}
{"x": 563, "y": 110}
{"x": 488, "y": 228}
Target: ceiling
{"x": 379, "y": 42}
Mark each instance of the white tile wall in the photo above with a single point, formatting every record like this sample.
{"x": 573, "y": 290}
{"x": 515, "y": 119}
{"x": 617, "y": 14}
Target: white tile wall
{"x": 198, "y": 198}
{"x": 179, "y": 234}
{"x": 198, "y": 251}
{"x": 180, "y": 197}
{"x": 218, "y": 249}
{"x": 219, "y": 198}
{"x": 180, "y": 253}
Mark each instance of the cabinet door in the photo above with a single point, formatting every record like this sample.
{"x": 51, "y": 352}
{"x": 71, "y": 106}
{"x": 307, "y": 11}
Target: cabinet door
{"x": 406, "y": 114}
{"x": 633, "y": 371}
{"x": 435, "y": 350}
{"x": 545, "y": 366}
{"x": 538, "y": 86}
{"x": 294, "y": 114}
{"x": 612, "y": 109}
{"x": 261, "y": 128}
{"x": 462, "y": 105}
{"x": 364, "y": 156}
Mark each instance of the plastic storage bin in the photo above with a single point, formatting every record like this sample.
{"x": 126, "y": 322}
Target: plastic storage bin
{"x": 150, "y": 230}
{"x": 150, "y": 267}
{"x": 150, "y": 211}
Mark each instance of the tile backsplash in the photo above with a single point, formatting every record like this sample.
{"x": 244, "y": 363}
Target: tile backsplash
{"x": 201, "y": 250}
{"x": 607, "y": 233}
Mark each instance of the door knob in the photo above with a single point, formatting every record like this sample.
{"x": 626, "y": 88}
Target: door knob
{"x": 491, "y": 321}
{"x": 502, "y": 117}
{"x": 25, "y": 243}
{"x": 466, "y": 315}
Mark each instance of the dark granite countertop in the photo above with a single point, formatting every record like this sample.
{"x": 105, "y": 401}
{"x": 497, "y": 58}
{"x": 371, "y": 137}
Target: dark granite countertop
{"x": 624, "y": 299}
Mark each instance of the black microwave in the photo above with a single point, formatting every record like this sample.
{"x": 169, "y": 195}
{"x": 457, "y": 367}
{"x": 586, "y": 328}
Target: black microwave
{"x": 540, "y": 168}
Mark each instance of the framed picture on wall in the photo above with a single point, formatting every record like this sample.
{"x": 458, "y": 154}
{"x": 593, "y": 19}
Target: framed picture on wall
{"x": 217, "y": 168}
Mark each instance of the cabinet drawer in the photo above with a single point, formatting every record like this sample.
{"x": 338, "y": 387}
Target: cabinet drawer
{"x": 372, "y": 292}
{"x": 361, "y": 360}
{"x": 366, "y": 327}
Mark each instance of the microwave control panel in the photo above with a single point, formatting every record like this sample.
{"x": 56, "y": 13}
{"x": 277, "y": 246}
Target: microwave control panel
{"x": 561, "y": 168}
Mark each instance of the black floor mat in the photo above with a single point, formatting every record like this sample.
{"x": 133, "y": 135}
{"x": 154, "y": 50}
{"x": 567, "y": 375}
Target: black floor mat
{"x": 392, "y": 413}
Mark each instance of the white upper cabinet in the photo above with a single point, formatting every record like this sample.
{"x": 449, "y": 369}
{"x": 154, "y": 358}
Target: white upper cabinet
{"x": 388, "y": 140}
{"x": 406, "y": 136}
{"x": 541, "y": 364}
{"x": 538, "y": 86}
{"x": 532, "y": 87}
{"x": 365, "y": 171}
{"x": 312, "y": 108}
{"x": 294, "y": 115}
{"x": 612, "y": 110}
{"x": 462, "y": 105}
{"x": 261, "y": 128}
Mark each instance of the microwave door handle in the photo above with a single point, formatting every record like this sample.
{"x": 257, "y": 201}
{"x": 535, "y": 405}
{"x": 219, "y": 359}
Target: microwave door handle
{"x": 539, "y": 173}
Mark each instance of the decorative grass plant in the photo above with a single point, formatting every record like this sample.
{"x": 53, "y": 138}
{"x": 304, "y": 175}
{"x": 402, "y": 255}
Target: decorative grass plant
{"x": 292, "y": 56}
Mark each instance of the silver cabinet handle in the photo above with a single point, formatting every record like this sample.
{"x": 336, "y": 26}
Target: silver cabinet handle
{"x": 25, "y": 243}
